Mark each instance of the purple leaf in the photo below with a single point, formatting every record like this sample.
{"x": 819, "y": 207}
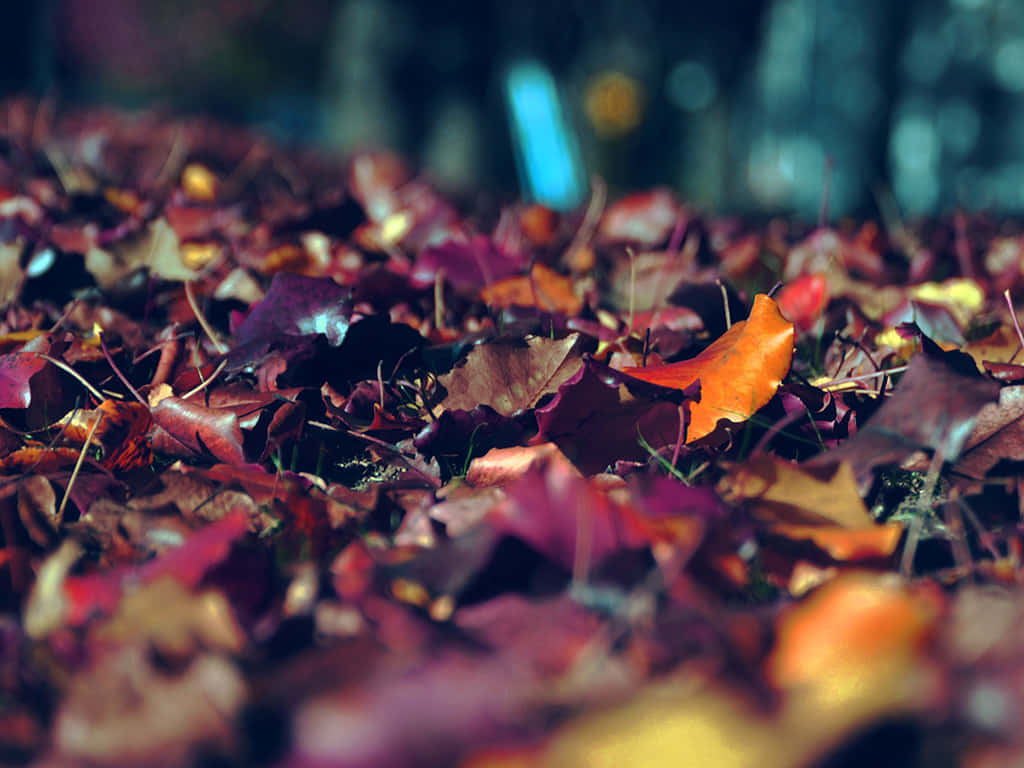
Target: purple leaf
{"x": 295, "y": 306}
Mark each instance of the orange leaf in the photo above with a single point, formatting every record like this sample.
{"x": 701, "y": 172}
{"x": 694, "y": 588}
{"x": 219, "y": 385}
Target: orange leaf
{"x": 548, "y": 290}
{"x": 843, "y": 543}
{"x": 738, "y": 373}
{"x": 852, "y": 628}
{"x": 122, "y": 432}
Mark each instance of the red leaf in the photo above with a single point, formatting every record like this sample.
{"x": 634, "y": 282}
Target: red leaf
{"x": 15, "y": 371}
{"x": 197, "y": 427}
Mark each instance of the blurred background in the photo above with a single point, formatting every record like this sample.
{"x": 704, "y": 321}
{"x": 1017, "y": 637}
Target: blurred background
{"x": 738, "y": 105}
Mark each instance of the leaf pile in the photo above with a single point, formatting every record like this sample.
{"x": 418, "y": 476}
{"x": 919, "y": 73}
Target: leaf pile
{"x": 303, "y": 464}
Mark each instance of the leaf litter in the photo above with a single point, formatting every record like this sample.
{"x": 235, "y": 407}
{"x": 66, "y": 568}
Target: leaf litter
{"x": 303, "y": 465}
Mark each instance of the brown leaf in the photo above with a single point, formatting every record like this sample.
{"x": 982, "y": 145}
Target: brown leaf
{"x": 511, "y": 376}
{"x": 37, "y": 508}
{"x": 998, "y": 434}
{"x": 780, "y": 491}
{"x": 124, "y": 711}
{"x": 173, "y": 620}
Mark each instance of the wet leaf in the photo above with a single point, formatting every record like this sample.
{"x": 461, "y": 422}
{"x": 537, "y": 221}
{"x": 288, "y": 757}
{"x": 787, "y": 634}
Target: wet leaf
{"x": 294, "y": 306}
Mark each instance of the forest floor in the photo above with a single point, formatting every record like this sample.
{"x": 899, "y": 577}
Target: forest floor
{"x": 304, "y": 464}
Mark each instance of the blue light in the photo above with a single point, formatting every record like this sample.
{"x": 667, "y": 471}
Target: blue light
{"x": 547, "y": 154}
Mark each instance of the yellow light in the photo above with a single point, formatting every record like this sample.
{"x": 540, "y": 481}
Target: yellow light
{"x": 613, "y": 103}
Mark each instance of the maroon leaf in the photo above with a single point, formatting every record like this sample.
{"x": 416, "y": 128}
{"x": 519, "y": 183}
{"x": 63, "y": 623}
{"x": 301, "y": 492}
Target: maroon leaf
{"x": 467, "y": 265}
{"x": 295, "y": 306}
{"x": 596, "y": 420}
{"x": 935, "y": 406}
{"x": 198, "y": 429}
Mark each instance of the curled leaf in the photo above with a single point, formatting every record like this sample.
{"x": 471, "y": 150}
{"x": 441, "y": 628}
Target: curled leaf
{"x": 738, "y": 373}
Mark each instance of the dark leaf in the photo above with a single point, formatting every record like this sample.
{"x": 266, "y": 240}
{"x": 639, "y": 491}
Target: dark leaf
{"x": 197, "y": 429}
{"x": 510, "y": 376}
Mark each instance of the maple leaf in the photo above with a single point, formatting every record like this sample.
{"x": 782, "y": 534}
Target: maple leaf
{"x": 738, "y": 373}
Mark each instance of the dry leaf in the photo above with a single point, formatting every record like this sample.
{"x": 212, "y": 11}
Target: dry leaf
{"x": 738, "y": 373}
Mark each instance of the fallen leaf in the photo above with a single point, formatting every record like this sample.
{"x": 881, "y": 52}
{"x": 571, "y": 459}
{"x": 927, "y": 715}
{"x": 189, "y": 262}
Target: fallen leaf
{"x": 173, "y": 620}
{"x": 543, "y": 288}
{"x": 595, "y": 419}
{"x": 802, "y": 300}
{"x": 17, "y": 369}
{"x": 738, "y": 373}
{"x": 198, "y": 430}
{"x": 647, "y": 218}
{"x": 935, "y": 406}
{"x": 159, "y": 250}
{"x": 780, "y": 491}
{"x": 294, "y": 306}
{"x": 466, "y": 265}
{"x": 501, "y": 465}
{"x": 510, "y": 376}
{"x": 848, "y": 657}
{"x": 118, "y": 711}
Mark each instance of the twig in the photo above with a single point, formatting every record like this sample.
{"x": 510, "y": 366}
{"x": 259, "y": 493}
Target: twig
{"x": 598, "y": 197}
{"x": 203, "y": 385}
{"x": 207, "y": 329}
{"x": 439, "y": 309}
{"x": 78, "y": 466}
{"x": 836, "y": 383}
{"x": 924, "y": 506}
{"x": 632, "y": 285}
{"x": 1016, "y": 325}
{"x": 117, "y": 371}
{"x": 725, "y": 303}
{"x": 72, "y": 372}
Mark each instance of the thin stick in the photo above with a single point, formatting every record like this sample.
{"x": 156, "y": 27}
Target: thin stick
{"x": 1016, "y": 325}
{"x": 72, "y": 372}
{"x": 207, "y": 329}
{"x": 439, "y": 310}
{"x": 78, "y": 466}
{"x": 117, "y": 371}
{"x": 62, "y": 318}
{"x": 632, "y": 285}
{"x": 200, "y": 387}
{"x": 864, "y": 377}
{"x": 725, "y": 303}
{"x": 924, "y": 505}
{"x": 681, "y": 438}
{"x": 584, "y": 546}
{"x": 598, "y": 197}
